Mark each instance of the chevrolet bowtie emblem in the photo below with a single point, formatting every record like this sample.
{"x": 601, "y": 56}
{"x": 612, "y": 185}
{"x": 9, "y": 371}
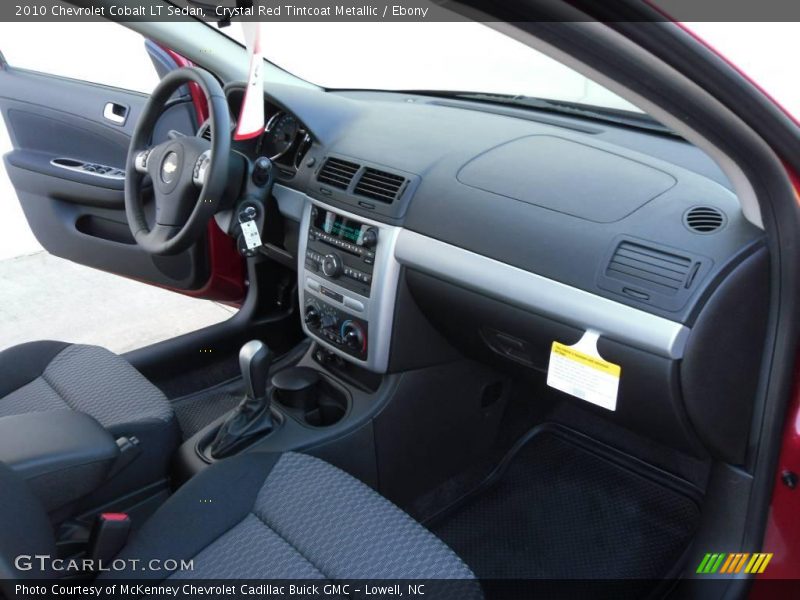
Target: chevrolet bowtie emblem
{"x": 168, "y": 167}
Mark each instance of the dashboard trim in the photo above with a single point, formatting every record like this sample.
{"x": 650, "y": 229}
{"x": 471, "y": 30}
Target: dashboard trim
{"x": 378, "y": 309}
{"x": 541, "y": 295}
{"x": 291, "y": 203}
{"x": 521, "y": 288}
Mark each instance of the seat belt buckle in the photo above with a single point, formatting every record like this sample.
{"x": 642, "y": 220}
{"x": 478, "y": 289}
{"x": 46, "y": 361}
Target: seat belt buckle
{"x": 109, "y": 534}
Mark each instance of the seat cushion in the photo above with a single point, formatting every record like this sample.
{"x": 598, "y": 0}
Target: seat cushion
{"x": 288, "y": 516}
{"x": 88, "y": 379}
{"x": 47, "y": 375}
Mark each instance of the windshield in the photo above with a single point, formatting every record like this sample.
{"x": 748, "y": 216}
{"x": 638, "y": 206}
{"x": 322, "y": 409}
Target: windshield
{"x": 443, "y": 57}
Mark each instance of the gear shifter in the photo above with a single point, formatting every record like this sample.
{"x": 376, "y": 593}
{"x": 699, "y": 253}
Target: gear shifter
{"x": 254, "y": 361}
{"x": 253, "y": 416}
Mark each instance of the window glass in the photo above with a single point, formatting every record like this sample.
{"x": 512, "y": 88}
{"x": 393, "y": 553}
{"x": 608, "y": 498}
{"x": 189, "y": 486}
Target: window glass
{"x": 463, "y": 57}
{"x": 103, "y": 52}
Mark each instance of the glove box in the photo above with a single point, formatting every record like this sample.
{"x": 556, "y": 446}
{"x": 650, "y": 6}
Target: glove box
{"x": 649, "y": 395}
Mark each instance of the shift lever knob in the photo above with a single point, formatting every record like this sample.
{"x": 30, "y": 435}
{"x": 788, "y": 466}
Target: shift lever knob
{"x": 254, "y": 361}
{"x": 252, "y": 417}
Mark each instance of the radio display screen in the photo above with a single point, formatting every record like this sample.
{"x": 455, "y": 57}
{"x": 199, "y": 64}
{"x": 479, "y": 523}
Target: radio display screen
{"x": 338, "y": 226}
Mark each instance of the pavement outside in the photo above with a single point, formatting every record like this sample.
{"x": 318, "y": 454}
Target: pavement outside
{"x": 47, "y": 298}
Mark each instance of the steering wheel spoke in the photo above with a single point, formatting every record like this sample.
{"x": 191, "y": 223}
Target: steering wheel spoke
{"x": 140, "y": 161}
{"x": 201, "y": 169}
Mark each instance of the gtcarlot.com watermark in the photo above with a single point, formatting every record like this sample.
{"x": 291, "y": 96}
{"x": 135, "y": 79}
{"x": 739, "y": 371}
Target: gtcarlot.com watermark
{"x": 45, "y": 563}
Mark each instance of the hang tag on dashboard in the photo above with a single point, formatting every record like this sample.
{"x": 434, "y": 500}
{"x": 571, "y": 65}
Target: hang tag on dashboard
{"x": 580, "y": 371}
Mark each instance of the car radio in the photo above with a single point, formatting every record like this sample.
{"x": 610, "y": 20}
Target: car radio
{"x": 348, "y": 281}
{"x": 342, "y": 249}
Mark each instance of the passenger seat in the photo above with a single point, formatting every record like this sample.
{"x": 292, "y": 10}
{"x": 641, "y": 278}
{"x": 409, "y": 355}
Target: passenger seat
{"x": 48, "y": 376}
{"x": 259, "y": 516}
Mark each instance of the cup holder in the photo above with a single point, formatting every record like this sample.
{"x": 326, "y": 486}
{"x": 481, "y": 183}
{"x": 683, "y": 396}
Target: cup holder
{"x": 328, "y": 412}
{"x": 308, "y": 397}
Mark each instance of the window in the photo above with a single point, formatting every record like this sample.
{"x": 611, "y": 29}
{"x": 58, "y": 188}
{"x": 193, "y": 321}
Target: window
{"x": 106, "y": 53}
{"x": 46, "y": 297}
{"x": 413, "y": 56}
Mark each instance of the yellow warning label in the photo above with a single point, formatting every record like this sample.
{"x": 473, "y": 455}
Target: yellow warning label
{"x": 584, "y": 375}
{"x": 588, "y": 360}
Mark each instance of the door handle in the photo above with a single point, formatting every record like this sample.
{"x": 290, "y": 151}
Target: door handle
{"x": 116, "y": 113}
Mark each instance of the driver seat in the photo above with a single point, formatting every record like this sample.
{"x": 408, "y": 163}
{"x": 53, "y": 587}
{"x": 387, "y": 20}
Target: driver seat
{"x": 47, "y": 376}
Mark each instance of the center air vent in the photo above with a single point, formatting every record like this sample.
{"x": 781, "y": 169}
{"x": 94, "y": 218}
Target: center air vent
{"x": 659, "y": 271}
{"x": 704, "y": 219}
{"x": 379, "y": 185}
{"x": 338, "y": 173}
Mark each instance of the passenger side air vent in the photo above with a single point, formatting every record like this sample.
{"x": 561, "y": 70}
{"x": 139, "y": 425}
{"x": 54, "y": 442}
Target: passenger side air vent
{"x": 653, "y": 269}
{"x": 379, "y": 185}
{"x": 704, "y": 219}
{"x": 338, "y": 173}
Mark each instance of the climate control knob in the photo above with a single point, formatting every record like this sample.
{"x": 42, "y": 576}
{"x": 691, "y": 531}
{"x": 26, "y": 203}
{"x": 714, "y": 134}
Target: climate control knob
{"x": 353, "y": 337}
{"x": 312, "y": 316}
{"x": 332, "y": 265}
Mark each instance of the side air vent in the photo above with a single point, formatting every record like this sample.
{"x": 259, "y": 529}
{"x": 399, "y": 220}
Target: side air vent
{"x": 205, "y": 132}
{"x": 338, "y": 173}
{"x": 379, "y": 185}
{"x": 704, "y": 219}
{"x": 659, "y": 271}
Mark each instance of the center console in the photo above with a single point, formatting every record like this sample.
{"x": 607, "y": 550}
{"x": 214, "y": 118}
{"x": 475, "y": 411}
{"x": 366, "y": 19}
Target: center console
{"x": 348, "y": 283}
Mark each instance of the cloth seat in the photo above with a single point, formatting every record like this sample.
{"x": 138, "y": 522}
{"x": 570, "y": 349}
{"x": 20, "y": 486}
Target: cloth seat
{"x": 48, "y": 375}
{"x": 281, "y": 516}
{"x": 287, "y": 516}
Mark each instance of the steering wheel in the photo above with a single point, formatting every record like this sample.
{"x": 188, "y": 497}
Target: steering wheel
{"x": 189, "y": 174}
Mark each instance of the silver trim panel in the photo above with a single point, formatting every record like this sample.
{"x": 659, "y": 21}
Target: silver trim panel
{"x": 290, "y": 202}
{"x": 543, "y": 296}
{"x": 110, "y": 114}
{"x": 378, "y": 309}
{"x": 201, "y": 168}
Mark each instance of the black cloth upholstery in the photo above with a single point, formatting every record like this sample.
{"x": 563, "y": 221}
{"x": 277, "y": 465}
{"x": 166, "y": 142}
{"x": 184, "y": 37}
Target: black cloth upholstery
{"x": 258, "y": 516}
{"x": 287, "y": 516}
{"x": 19, "y": 365}
{"x": 48, "y": 376}
{"x": 199, "y": 512}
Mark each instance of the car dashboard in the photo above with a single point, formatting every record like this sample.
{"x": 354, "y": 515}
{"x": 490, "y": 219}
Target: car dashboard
{"x": 285, "y": 139}
{"x": 509, "y": 230}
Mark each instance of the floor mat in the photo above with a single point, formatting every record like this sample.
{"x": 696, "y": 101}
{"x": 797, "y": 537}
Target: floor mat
{"x": 198, "y": 410}
{"x": 562, "y": 510}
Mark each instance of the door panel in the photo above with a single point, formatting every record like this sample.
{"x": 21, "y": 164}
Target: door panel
{"x": 62, "y": 135}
